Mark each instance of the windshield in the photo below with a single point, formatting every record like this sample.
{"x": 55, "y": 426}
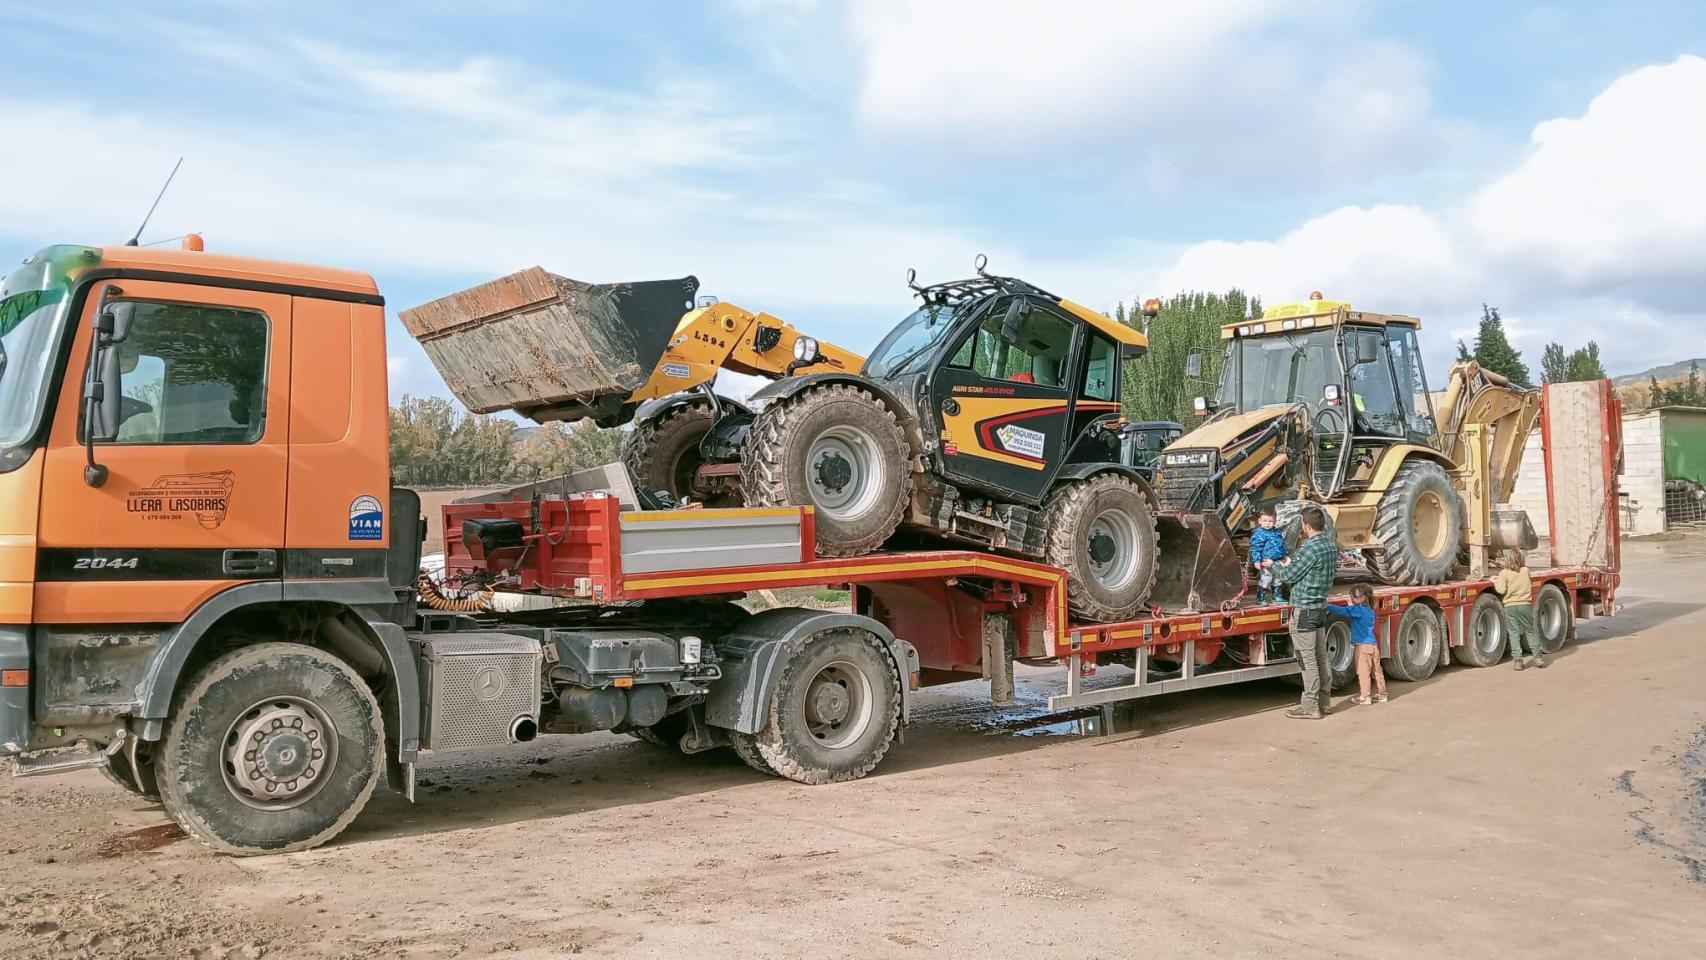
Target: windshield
{"x": 908, "y": 347}
{"x": 34, "y": 305}
{"x": 1288, "y": 368}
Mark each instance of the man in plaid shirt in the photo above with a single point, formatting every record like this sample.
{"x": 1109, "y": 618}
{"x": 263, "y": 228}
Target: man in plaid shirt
{"x": 1310, "y": 572}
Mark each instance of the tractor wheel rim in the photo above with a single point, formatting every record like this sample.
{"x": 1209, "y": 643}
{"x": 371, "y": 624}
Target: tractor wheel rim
{"x": 1428, "y": 526}
{"x": 277, "y": 753}
{"x": 838, "y": 704}
{"x": 1489, "y": 630}
{"x": 1120, "y": 528}
{"x": 857, "y": 452}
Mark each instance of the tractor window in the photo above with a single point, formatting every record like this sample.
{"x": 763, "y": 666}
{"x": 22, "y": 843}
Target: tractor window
{"x": 1037, "y": 354}
{"x": 1099, "y": 375}
{"x": 1413, "y": 398}
{"x": 1374, "y": 395}
{"x": 193, "y": 374}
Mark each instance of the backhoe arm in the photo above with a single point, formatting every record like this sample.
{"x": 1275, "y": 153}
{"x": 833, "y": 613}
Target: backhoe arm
{"x": 723, "y": 336}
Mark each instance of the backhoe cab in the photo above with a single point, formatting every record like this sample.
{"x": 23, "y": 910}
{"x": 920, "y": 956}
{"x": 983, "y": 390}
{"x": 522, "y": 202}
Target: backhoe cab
{"x": 990, "y": 416}
{"x": 1316, "y": 402}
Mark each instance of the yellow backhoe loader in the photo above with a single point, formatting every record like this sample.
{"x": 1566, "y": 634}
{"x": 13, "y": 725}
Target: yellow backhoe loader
{"x": 551, "y": 348}
{"x": 1319, "y": 402}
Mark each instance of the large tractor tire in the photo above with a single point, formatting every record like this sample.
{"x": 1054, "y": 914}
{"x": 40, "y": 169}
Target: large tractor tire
{"x": 1485, "y": 645}
{"x": 1102, "y": 532}
{"x": 270, "y": 749}
{"x": 834, "y": 447}
{"x": 663, "y": 454}
{"x": 1415, "y": 650}
{"x": 834, "y": 710}
{"x": 1419, "y": 527}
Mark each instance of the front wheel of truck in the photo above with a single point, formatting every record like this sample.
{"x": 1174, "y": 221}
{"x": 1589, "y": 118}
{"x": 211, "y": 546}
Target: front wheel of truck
{"x": 834, "y": 710}
{"x": 270, "y": 749}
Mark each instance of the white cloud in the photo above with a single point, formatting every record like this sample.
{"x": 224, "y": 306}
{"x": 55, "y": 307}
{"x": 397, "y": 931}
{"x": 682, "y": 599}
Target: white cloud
{"x": 1258, "y": 91}
{"x": 1595, "y": 233}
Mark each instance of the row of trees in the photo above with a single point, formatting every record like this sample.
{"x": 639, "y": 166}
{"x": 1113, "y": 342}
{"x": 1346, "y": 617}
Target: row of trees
{"x": 434, "y": 443}
{"x": 1494, "y": 352}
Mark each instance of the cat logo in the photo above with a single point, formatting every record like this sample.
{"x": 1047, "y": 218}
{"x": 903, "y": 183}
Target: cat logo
{"x": 206, "y": 496}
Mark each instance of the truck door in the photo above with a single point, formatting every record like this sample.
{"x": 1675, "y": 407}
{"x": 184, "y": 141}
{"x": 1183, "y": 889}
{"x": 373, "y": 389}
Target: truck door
{"x": 1005, "y": 399}
{"x": 193, "y": 502}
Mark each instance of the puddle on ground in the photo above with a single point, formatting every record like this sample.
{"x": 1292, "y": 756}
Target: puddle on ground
{"x": 139, "y": 841}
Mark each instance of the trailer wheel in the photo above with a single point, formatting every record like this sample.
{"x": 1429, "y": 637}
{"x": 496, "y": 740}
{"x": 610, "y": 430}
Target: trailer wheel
{"x": 834, "y": 711}
{"x": 746, "y": 748}
{"x": 1553, "y": 618}
{"x": 1102, "y": 532}
{"x": 663, "y": 454}
{"x": 271, "y": 748}
{"x": 1485, "y": 645}
{"x": 1419, "y": 526}
{"x": 1415, "y": 650}
{"x": 835, "y": 448}
{"x": 1341, "y": 656}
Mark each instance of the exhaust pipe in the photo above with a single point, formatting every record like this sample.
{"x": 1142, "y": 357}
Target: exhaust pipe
{"x": 523, "y": 729}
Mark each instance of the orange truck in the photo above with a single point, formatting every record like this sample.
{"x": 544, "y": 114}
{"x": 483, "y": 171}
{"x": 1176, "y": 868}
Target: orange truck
{"x": 208, "y": 583}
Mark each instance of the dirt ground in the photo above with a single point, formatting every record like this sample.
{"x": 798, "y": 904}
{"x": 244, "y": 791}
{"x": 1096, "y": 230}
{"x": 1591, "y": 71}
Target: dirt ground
{"x": 1557, "y": 813}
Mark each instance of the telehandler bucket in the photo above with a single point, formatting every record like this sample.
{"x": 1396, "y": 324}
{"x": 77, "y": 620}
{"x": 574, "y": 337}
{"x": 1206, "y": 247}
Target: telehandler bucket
{"x": 1199, "y": 568}
{"x": 548, "y": 347}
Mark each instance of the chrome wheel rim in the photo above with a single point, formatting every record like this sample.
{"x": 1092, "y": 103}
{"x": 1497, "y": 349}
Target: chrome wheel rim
{"x": 1112, "y": 537}
{"x": 277, "y": 753}
{"x": 1489, "y": 630}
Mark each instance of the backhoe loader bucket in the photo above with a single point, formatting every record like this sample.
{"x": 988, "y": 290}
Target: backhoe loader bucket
{"x": 548, "y": 347}
{"x": 1200, "y": 569}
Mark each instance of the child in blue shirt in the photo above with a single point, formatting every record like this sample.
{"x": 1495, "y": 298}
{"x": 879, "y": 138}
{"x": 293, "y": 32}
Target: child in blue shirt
{"x": 1360, "y": 613}
{"x": 1267, "y": 542}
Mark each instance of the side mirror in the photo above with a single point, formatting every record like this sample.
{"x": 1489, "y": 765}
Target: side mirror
{"x": 1015, "y": 316}
{"x": 1193, "y": 364}
{"x": 1367, "y": 347}
{"x": 104, "y": 394}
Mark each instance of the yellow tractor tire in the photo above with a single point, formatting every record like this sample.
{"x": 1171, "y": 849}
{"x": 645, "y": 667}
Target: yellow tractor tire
{"x": 1418, "y": 527}
{"x": 836, "y": 448}
{"x": 1102, "y": 532}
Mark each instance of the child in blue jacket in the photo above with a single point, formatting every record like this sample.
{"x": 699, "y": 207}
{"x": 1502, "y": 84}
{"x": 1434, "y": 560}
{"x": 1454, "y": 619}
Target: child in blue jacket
{"x": 1360, "y": 613}
{"x": 1267, "y": 542}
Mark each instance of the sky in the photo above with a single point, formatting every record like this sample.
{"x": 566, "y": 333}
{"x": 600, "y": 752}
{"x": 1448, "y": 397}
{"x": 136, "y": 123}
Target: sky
{"x": 799, "y": 156}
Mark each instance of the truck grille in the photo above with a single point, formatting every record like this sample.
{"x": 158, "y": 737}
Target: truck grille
{"x": 1177, "y": 486}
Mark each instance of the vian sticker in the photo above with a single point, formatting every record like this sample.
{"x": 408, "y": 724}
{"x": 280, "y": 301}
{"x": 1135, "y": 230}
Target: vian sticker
{"x": 1025, "y": 443}
{"x": 205, "y": 496}
{"x": 366, "y": 519}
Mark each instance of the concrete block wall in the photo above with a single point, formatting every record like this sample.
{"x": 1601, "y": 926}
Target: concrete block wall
{"x": 1643, "y": 482}
{"x": 1530, "y": 490}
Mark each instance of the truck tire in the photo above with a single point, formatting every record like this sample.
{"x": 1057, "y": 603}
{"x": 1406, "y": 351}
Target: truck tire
{"x": 834, "y": 711}
{"x": 834, "y": 447}
{"x": 1554, "y": 621}
{"x": 665, "y": 733}
{"x": 663, "y": 454}
{"x": 1415, "y": 648}
{"x": 1418, "y": 525}
{"x": 318, "y": 750}
{"x": 746, "y": 748}
{"x": 1485, "y": 644}
{"x": 1102, "y": 532}
{"x": 141, "y": 783}
{"x": 1341, "y": 656}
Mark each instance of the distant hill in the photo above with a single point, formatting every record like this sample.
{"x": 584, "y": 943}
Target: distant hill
{"x": 1668, "y": 371}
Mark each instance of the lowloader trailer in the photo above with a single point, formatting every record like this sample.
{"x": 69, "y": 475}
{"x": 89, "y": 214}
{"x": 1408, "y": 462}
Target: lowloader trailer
{"x": 208, "y": 589}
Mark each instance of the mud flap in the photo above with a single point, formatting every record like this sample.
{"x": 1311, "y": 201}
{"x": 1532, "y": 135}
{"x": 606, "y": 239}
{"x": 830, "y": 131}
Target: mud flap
{"x": 548, "y": 347}
{"x": 1200, "y": 568}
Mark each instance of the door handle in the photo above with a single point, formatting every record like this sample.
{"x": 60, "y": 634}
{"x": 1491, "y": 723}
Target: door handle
{"x": 251, "y": 563}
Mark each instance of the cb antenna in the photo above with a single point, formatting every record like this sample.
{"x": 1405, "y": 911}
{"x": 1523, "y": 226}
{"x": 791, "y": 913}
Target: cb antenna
{"x": 157, "y": 197}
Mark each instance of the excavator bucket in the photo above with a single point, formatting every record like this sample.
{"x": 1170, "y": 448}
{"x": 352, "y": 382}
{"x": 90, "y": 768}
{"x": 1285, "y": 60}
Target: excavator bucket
{"x": 548, "y": 347}
{"x": 1200, "y": 569}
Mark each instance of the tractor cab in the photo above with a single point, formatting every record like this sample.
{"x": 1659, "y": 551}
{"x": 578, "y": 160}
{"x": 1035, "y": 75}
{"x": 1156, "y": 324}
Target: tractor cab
{"x": 1356, "y": 378}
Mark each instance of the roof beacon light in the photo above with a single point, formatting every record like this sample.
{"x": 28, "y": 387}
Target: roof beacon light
{"x": 193, "y": 243}
{"x": 1315, "y": 295}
